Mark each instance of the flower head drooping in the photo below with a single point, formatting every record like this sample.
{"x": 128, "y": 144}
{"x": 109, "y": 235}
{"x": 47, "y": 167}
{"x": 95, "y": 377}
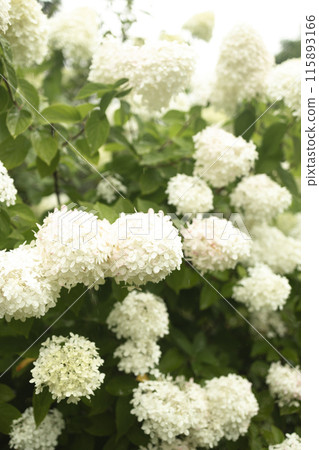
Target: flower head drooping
{"x": 215, "y": 244}
{"x": 25, "y": 290}
{"x": 189, "y": 194}
{"x": 27, "y": 32}
{"x": 69, "y": 367}
{"x": 242, "y": 68}
{"x": 262, "y": 289}
{"x": 75, "y": 247}
{"x": 106, "y": 188}
{"x": 271, "y": 247}
{"x": 5, "y": 6}
{"x": 138, "y": 356}
{"x": 220, "y": 157}
{"x": 260, "y": 198}
{"x": 140, "y": 315}
{"x": 284, "y": 384}
{"x": 156, "y": 72}
{"x": 148, "y": 248}
{"x": 75, "y": 33}
{"x": 284, "y": 83}
{"x": 8, "y": 191}
{"x": 201, "y": 25}
{"x": 26, "y": 435}
{"x": 292, "y": 442}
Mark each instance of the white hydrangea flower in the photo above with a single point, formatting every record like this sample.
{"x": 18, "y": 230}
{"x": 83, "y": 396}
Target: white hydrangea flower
{"x": 75, "y": 247}
{"x": 106, "y": 187}
{"x": 75, "y": 33}
{"x": 138, "y": 356}
{"x": 26, "y": 435}
{"x": 201, "y": 25}
{"x": 148, "y": 248}
{"x": 284, "y": 384}
{"x": 271, "y": 247}
{"x": 262, "y": 289}
{"x": 189, "y": 194}
{"x": 27, "y": 32}
{"x": 289, "y": 224}
{"x": 292, "y": 442}
{"x": 220, "y": 157}
{"x": 25, "y": 290}
{"x": 8, "y": 191}
{"x": 242, "y": 68}
{"x": 284, "y": 83}
{"x": 69, "y": 367}
{"x": 268, "y": 323}
{"x": 233, "y": 404}
{"x": 140, "y": 315}
{"x": 156, "y": 72}
{"x": 5, "y": 6}
{"x": 260, "y": 198}
{"x": 177, "y": 444}
{"x": 215, "y": 244}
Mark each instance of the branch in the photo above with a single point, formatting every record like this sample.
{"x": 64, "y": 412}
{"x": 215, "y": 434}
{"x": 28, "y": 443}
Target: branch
{"x": 56, "y": 186}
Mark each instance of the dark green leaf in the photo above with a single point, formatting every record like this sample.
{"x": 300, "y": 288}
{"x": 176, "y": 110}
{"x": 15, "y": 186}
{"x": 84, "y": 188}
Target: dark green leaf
{"x": 4, "y": 98}
{"x": 106, "y": 212}
{"x": 121, "y": 385}
{"x": 171, "y": 360}
{"x": 14, "y": 151}
{"x": 244, "y": 123}
{"x": 29, "y": 93}
{"x": 44, "y": 145}
{"x": 45, "y": 169}
{"x": 18, "y": 120}
{"x": 208, "y": 297}
{"x": 41, "y": 404}
{"x": 124, "y": 418}
{"x": 6, "y": 393}
{"x": 7, "y": 414}
{"x": 101, "y": 425}
{"x": 96, "y": 129}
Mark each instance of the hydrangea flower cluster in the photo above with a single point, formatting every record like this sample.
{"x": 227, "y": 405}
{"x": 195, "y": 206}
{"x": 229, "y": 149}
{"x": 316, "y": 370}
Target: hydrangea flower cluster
{"x": 26, "y": 435}
{"x": 220, "y": 157}
{"x": 268, "y": 323}
{"x": 141, "y": 318}
{"x": 69, "y": 367}
{"x": 171, "y": 408}
{"x": 106, "y": 187}
{"x": 262, "y": 289}
{"x": 242, "y": 68}
{"x": 284, "y": 83}
{"x": 292, "y": 442}
{"x": 201, "y": 25}
{"x": 81, "y": 23}
{"x": 260, "y": 198}
{"x": 27, "y": 32}
{"x": 215, "y": 244}
{"x": 189, "y": 194}
{"x": 8, "y": 191}
{"x": 5, "y": 6}
{"x": 156, "y": 72}
{"x": 25, "y": 291}
{"x": 284, "y": 384}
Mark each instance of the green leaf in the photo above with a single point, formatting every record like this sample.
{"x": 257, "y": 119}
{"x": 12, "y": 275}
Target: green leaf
{"x": 273, "y": 436}
{"x": 6, "y": 393}
{"x": 82, "y": 146}
{"x": 106, "y": 100}
{"x": 5, "y": 225}
{"x": 106, "y": 212}
{"x": 84, "y": 109}
{"x": 93, "y": 88}
{"x": 96, "y": 129}
{"x": 123, "y": 205}
{"x": 145, "y": 205}
{"x": 7, "y": 414}
{"x": 270, "y": 151}
{"x": 29, "y": 93}
{"x": 41, "y": 404}
{"x": 244, "y": 121}
{"x": 181, "y": 340}
{"x": 14, "y": 151}
{"x": 288, "y": 180}
{"x": 208, "y": 297}
{"x": 61, "y": 113}
{"x": 4, "y": 98}
{"x": 185, "y": 278}
{"x": 45, "y": 145}
{"x": 150, "y": 181}
{"x": 18, "y": 120}
{"x": 21, "y": 215}
{"x": 45, "y": 169}
{"x": 121, "y": 385}
{"x": 101, "y": 425}
{"x": 171, "y": 360}
{"x": 123, "y": 417}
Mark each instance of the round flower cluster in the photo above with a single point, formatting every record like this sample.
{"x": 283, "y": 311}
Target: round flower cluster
{"x": 142, "y": 318}
{"x": 108, "y": 188}
{"x": 242, "y": 68}
{"x": 26, "y": 435}
{"x": 81, "y": 23}
{"x": 220, "y": 157}
{"x": 156, "y": 72}
{"x": 284, "y": 384}
{"x": 201, "y": 25}
{"x": 260, "y": 198}
{"x": 5, "y": 6}
{"x": 268, "y": 323}
{"x": 170, "y": 408}
{"x": 25, "y": 291}
{"x": 75, "y": 247}
{"x": 69, "y": 367}
{"x": 284, "y": 83}
{"x": 262, "y": 289}
{"x": 27, "y": 32}
{"x": 292, "y": 442}
{"x": 271, "y": 247}
{"x": 215, "y": 244}
{"x": 148, "y": 248}
{"x": 189, "y": 194}
{"x": 289, "y": 224}
{"x": 8, "y": 191}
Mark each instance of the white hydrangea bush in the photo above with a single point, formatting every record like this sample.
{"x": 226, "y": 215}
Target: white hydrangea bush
{"x": 284, "y": 384}
{"x": 292, "y": 442}
{"x": 8, "y": 192}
